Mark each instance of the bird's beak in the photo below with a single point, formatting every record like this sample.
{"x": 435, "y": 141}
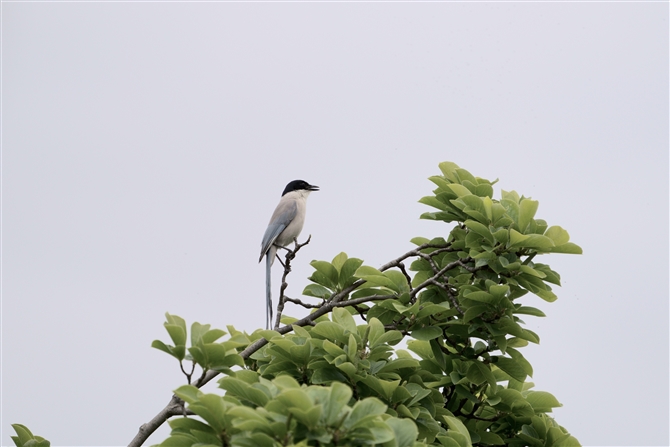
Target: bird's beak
{"x": 313, "y": 188}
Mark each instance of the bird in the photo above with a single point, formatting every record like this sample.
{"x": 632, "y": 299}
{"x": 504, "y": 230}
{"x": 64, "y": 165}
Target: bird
{"x": 285, "y": 226}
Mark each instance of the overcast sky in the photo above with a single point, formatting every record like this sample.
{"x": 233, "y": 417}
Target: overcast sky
{"x": 145, "y": 145}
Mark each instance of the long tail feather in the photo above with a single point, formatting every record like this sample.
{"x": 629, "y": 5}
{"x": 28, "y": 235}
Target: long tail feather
{"x": 269, "y": 257}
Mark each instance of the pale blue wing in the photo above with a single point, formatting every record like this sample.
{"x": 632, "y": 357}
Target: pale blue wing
{"x": 283, "y": 215}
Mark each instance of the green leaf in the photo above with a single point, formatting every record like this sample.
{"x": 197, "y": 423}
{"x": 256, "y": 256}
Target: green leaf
{"x": 213, "y": 335}
{"x": 490, "y": 438}
{"x": 550, "y": 275}
{"x": 536, "y": 241}
{"x": 434, "y": 202}
{"x": 348, "y": 368}
{"x": 516, "y": 342}
{"x": 338, "y": 397}
{"x": 537, "y": 226}
{"x": 405, "y": 431}
{"x": 558, "y": 235}
{"x": 384, "y": 388}
{"x": 188, "y": 393}
{"x": 568, "y": 441}
{"x": 317, "y": 291}
{"x": 511, "y": 367}
{"x": 456, "y": 425}
{"x": 479, "y": 373}
{"x": 157, "y": 344}
{"x": 179, "y": 440}
{"x": 328, "y": 272}
{"x": 348, "y": 270}
{"x": 526, "y": 310}
{"x": 339, "y": 260}
{"x": 295, "y": 397}
{"x": 459, "y": 190}
{"x": 375, "y": 278}
{"x": 511, "y": 327}
{"x": 286, "y": 382}
{"x": 481, "y": 230}
{"x": 482, "y": 297}
{"x": 197, "y": 331}
{"x": 352, "y": 348}
{"x": 268, "y": 334}
{"x": 449, "y": 441}
{"x": 243, "y": 390}
{"x": 243, "y": 412}
{"x": 363, "y": 411}
{"x": 448, "y": 169}
{"x": 527, "y": 210}
{"x": 26, "y": 438}
{"x": 343, "y": 318}
{"x": 555, "y": 435}
{"x": 330, "y": 331}
{"x": 392, "y": 337}
{"x": 173, "y": 321}
{"x": 521, "y": 360}
{"x": 419, "y": 240}
{"x": 464, "y": 175}
{"x": 474, "y": 207}
{"x": 190, "y": 424}
{"x": 399, "y": 280}
{"x": 539, "y": 426}
{"x": 308, "y": 416}
{"x": 300, "y": 353}
{"x": 512, "y": 196}
{"x": 177, "y": 334}
{"x": 542, "y": 401}
{"x": 531, "y": 271}
{"x": 501, "y": 236}
{"x": 499, "y": 290}
{"x": 376, "y": 330}
{"x": 366, "y": 270}
{"x": 427, "y": 333}
{"x": 569, "y": 248}
{"x": 396, "y": 364}
{"x": 474, "y": 311}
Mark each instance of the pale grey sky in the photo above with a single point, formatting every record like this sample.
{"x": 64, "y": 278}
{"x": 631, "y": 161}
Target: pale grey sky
{"x": 145, "y": 145}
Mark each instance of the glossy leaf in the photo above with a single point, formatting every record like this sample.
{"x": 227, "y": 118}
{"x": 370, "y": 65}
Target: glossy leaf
{"x": 317, "y": 291}
{"x": 542, "y": 401}
{"x": 511, "y": 367}
{"x": 427, "y": 333}
{"x": 527, "y": 209}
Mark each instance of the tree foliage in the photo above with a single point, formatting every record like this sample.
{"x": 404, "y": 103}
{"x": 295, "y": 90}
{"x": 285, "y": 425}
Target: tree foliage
{"x": 336, "y": 377}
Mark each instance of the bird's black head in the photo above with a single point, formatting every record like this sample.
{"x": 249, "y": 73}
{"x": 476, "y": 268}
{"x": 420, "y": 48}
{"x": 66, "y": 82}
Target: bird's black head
{"x": 297, "y": 185}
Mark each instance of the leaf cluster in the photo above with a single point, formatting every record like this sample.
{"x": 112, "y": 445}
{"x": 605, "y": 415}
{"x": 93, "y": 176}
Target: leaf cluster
{"x": 25, "y": 438}
{"x": 204, "y": 351}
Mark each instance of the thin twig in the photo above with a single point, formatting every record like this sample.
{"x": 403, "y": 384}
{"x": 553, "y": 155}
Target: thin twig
{"x": 467, "y": 267}
{"x": 401, "y": 267}
{"x": 362, "y": 300}
{"x": 290, "y": 255}
{"x": 301, "y": 303}
{"x": 188, "y": 376}
{"x": 361, "y": 312}
{"x": 451, "y": 296}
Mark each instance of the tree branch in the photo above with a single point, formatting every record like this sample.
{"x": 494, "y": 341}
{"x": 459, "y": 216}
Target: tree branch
{"x": 434, "y": 279}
